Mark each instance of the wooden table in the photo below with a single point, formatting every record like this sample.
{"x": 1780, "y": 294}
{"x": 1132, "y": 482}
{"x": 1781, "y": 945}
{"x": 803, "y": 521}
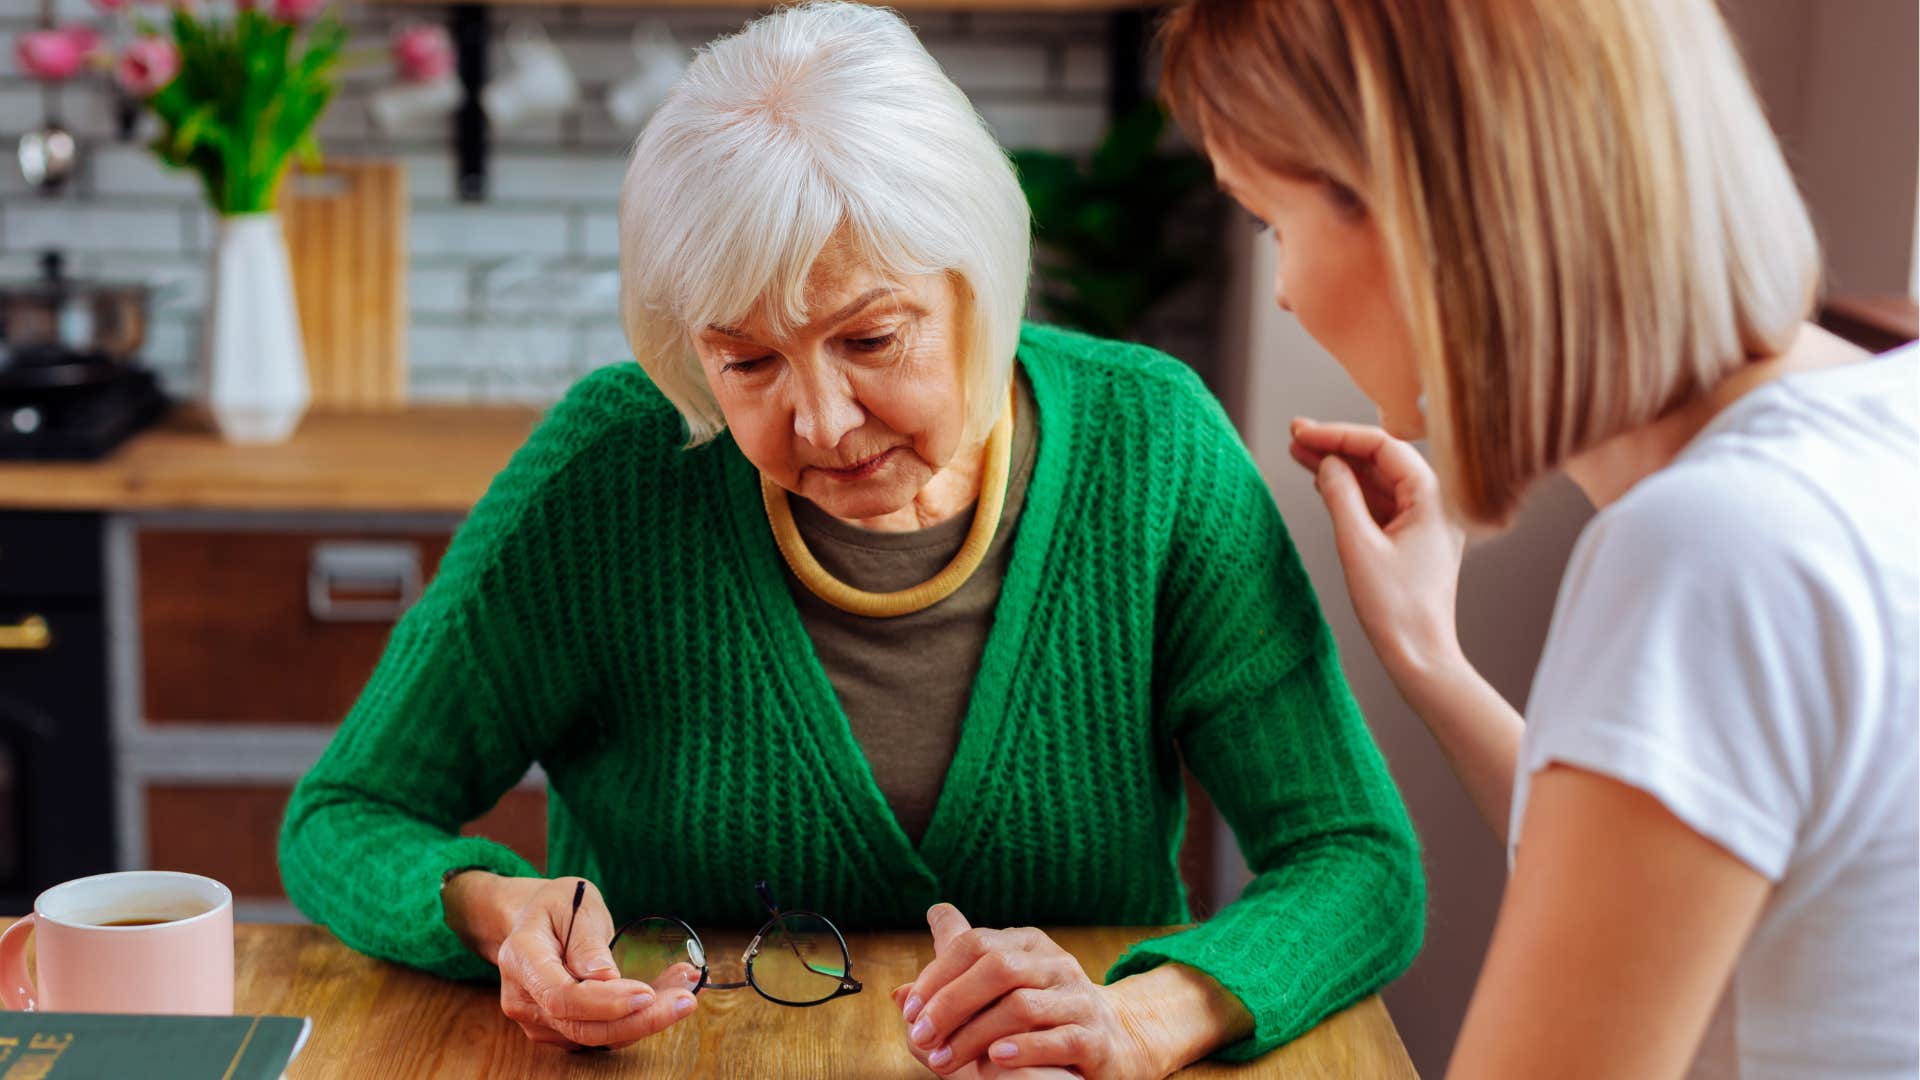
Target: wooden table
{"x": 374, "y": 1019}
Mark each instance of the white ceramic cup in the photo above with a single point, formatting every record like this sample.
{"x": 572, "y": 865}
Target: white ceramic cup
{"x": 405, "y": 107}
{"x": 540, "y": 84}
{"x": 661, "y": 63}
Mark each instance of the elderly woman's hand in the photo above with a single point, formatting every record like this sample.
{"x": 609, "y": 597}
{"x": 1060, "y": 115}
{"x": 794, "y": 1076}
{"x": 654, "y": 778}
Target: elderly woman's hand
{"x": 576, "y": 999}
{"x": 1013, "y": 1003}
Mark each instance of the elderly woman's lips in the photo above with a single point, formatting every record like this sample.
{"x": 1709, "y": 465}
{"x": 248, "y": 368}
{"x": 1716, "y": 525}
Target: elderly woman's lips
{"x": 861, "y": 470}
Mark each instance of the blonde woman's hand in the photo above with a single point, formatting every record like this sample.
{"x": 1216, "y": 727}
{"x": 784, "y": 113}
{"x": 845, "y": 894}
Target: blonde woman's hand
{"x": 1399, "y": 549}
{"x": 573, "y": 999}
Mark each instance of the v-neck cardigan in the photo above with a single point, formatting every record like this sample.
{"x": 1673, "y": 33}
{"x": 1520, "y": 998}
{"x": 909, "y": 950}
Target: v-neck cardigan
{"x": 613, "y": 610}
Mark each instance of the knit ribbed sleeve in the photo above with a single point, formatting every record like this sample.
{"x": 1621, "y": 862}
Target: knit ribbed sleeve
{"x": 1255, "y": 698}
{"x": 478, "y": 678}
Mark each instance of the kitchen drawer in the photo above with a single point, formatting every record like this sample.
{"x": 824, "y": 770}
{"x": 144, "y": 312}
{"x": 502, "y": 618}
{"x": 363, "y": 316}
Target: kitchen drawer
{"x": 50, "y": 555}
{"x": 231, "y": 832}
{"x": 265, "y": 627}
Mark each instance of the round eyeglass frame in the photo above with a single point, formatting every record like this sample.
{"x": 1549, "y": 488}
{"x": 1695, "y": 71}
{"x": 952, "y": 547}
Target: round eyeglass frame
{"x": 697, "y": 953}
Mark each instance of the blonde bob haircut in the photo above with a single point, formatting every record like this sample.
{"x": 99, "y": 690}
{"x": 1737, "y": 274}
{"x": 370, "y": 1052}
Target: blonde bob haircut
{"x": 817, "y": 120}
{"x": 1587, "y": 217}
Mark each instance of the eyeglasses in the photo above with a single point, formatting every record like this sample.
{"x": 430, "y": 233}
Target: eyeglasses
{"x": 798, "y": 958}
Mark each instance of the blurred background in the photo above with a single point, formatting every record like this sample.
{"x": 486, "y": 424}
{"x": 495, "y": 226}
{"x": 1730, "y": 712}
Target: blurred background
{"x": 190, "y": 596}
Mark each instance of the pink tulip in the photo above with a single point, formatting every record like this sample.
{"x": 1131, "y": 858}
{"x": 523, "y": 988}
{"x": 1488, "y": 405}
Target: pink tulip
{"x": 148, "y": 65}
{"x": 297, "y": 11}
{"x": 50, "y": 55}
{"x": 423, "y": 53}
{"x": 86, "y": 39}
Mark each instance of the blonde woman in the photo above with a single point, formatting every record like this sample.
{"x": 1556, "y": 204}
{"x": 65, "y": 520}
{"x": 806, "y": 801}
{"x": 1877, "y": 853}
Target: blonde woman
{"x": 1551, "y": 235}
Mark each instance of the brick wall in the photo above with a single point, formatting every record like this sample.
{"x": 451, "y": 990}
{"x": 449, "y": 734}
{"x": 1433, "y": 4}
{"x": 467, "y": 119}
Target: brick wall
{"x": 513, "y": 298}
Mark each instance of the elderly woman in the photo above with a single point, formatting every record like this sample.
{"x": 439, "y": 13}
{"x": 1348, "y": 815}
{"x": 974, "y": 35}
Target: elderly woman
{"x": 858, "y": 586}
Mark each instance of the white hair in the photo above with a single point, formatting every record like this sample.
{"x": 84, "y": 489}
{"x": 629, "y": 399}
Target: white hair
{"x": 817, "y": 118}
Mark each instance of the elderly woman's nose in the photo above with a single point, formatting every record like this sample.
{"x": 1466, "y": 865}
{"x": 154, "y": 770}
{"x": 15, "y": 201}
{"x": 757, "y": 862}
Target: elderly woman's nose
{"x": 825, "y": 413}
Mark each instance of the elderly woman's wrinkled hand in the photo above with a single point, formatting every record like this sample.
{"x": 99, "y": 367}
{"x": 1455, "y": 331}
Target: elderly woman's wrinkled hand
{"x": 1013, "y": 1003}
{"x": 539, "y": 989}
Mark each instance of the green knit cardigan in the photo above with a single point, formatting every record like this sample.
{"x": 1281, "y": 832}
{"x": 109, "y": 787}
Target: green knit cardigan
{"x": 614, "y": 610}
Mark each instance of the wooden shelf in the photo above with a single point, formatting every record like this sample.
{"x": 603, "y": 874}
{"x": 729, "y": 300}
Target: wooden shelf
{"x": 1063, "y": 6}
{"x": 423, "y": 459}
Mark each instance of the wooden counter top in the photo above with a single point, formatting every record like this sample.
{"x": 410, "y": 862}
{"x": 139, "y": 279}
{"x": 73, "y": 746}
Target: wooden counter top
{"x": 419, "y": 459}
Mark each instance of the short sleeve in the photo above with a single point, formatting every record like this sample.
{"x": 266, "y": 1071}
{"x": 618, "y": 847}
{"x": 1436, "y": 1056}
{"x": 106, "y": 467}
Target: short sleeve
{"x": 1701, "y": 652}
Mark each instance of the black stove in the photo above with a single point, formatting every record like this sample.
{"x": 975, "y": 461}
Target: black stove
{"x": 75, "y": 407}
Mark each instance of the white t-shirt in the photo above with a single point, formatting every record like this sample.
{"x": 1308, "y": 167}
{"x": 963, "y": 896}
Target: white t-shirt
{"x": 1738, "y": 636}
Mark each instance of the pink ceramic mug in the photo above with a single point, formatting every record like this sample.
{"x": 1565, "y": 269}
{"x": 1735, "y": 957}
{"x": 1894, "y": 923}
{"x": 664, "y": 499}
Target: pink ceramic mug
{"x": 180, "y": 961}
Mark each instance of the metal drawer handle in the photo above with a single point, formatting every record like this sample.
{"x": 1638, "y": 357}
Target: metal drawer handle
{"x": 28, "y": 635}
{"x": 384, "y": 580}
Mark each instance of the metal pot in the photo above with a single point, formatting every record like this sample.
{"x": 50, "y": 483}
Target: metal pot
{"x": 58, "y": 320}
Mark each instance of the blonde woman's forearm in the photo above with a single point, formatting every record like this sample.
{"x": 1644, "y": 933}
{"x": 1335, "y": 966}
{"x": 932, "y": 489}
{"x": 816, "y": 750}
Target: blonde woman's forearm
{"x": 1476, "y": 728}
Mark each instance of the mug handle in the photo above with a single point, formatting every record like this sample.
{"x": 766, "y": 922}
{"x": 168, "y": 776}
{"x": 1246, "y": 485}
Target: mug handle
{"x": 16, "y": 988}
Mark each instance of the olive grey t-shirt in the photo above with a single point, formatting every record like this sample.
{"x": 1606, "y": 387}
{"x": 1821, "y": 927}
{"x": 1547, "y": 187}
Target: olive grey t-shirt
{"x": 904, "y": 682}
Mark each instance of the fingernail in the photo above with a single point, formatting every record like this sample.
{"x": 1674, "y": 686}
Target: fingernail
{"x": 683, "y": 1006}
{"x": 940, "y": 1057}
{"x": 922, "y": 1030}
{"x": 602, "y": 964}
{"x": 641, "y": 1001}
{"x": 1004, "y": 1050}
{"x": 912, "y": 1008}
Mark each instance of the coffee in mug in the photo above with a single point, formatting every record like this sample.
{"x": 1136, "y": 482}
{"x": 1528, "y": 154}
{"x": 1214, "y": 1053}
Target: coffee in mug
{"x": 138, "y": 941}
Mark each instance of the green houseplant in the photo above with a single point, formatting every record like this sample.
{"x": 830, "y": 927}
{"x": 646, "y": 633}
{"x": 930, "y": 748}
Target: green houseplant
{"x": 1104, "y": 256}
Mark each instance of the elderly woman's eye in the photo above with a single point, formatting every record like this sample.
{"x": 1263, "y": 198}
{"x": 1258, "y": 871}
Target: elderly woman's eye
{"x": 745, "y": 367}
{"x": 871, "y": 344}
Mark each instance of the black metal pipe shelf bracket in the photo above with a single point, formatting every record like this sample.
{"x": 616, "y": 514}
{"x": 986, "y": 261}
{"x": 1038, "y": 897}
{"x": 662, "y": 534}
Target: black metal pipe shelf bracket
{"x": 469, "y": 26}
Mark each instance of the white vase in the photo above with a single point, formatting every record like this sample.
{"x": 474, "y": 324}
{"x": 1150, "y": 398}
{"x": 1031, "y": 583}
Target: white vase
{"x": 253, "y": 364}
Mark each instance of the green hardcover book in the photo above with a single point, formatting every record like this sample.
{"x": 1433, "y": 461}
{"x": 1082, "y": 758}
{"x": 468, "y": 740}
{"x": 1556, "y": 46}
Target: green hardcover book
{"x": 89, "y": 1046}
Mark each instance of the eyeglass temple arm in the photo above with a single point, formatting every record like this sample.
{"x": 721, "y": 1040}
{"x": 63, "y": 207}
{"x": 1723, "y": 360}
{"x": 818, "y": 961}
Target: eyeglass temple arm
{"x": 579, "y": 894}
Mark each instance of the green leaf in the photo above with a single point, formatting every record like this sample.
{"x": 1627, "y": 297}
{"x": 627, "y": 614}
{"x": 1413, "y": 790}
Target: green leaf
{"x": 1101, "y": 227}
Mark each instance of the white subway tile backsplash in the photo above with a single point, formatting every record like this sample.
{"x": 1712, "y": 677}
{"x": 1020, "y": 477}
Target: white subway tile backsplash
{"x": 21, "y": 108}
{"x": 121, "y": 169}
{"x": 602, "y": 58}
{"x": 530, "y": 287}
{"x": 437, "y": 347}
{"x": 65, "y": 11}
{"x": 438, "y": 291}
{"x": 88, "y": 106}
{"x": 1085, "y": 69}
{"x": 179, "y": 285}
{"x": 602, "y": 344}
{"x": 1062, "y": 126}
{"x": 486, "y": 231}
{"x": 430, "y": 177}
{"x": 83, "y": 227}
{"x": 347, "y": 118}
{"x": 519, "y": 177}
{"x": 988, "y": 68}
{"x": 441, "y": 387}
{"x": 172, "y": 349}
{"x": 201, "y": 227}
{"x": 512, "y": 298}
{"x": 600, "y": 234}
